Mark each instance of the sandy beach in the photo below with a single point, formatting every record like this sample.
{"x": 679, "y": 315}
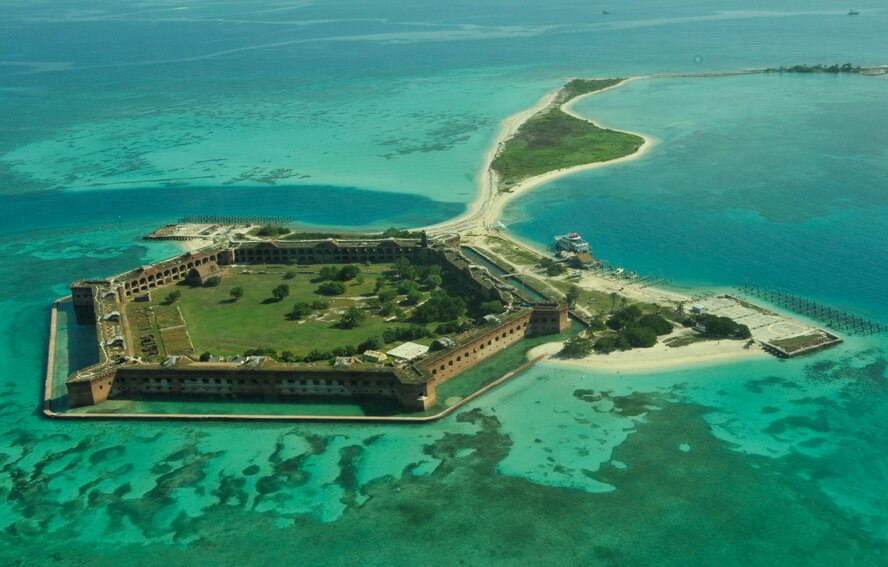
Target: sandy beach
{"x": 486, "y": 209}
{"x": 658, "y": 357}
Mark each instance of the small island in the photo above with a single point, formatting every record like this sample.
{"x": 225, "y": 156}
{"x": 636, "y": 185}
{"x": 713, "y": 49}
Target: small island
{"x": 554, "y": 138}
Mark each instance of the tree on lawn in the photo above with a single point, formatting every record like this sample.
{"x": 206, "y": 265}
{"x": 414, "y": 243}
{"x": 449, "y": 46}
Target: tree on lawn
{"x": 280, "y": 292}
{"x": 573, "y": 294}
{"x": 173, "y": 296}
{"x": 236, "y": 293}
{"x": 352, "y": 318}
{"x": 300, "y": 310}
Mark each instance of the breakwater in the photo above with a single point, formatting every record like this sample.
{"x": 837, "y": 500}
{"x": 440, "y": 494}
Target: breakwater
{"x": 832, "y": 317}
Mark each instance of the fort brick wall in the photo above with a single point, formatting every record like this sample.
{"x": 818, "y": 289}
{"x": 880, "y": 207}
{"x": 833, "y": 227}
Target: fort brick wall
{"x": 443, "y": 366}
{"x": 413, "y": 386}
{"x": 220, "y": 381}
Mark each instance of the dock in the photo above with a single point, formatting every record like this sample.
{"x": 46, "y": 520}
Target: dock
{"x": 832, "y": 317}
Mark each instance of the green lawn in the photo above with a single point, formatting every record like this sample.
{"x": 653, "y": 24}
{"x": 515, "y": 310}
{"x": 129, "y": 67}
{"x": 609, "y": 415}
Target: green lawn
{"x": 224, "y": 327}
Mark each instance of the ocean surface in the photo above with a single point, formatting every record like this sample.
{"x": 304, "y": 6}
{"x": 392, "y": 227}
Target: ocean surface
{"x": 121, "y": 116}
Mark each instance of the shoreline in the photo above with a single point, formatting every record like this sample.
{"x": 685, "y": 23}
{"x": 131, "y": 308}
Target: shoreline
{"x": 659, "y": 358}
{"x": 484, "y": 211}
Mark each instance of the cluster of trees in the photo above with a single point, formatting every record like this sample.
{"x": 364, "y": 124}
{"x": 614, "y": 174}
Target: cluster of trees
{"x": 578, "y": 346}
{"x": 834, "y": 68}
{"x": 418, "y": 273}
{"x": 304, "y": 308}
{"x": 272, "y": 230}
{"x": 331, "y": 288}
{"x": 343, "y": 274}
{"x": 317, "y": 355}
{"x": 441, "y": 306}
{"x": 719, "y": 327}
{"x": 633, "y": 329}
{"x": 552, "y": 267}
{"x": 411, "y": 333}
{"x": 398, "y": 233}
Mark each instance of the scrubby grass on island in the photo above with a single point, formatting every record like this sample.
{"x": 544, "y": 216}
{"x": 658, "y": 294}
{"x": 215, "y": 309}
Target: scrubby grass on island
{"x": 578, "y": 87}
{"x": 554, "y": 140}
{"x": 220, "y": 325}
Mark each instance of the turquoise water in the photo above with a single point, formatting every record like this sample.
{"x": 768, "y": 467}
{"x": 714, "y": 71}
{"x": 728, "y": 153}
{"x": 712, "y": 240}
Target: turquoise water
{"x": 121, "y": 116}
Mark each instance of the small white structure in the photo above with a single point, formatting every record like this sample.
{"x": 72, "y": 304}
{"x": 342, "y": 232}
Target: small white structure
{"x": 408, "y": 351}
{"x": 343, "y": 361}
{"x": 696, "y": 309}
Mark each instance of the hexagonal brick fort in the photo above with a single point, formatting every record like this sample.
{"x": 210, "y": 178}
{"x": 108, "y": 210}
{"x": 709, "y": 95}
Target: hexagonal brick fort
{"x": 412, "y": 383}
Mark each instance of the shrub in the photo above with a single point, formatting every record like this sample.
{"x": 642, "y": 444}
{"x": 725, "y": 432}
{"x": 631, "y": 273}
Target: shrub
{"x": 328, "y": 273}
{"x": 657, "y": 324}
{"x": 212, "y": 281}
{"x": 373, "y": 343}
{"x": 205, "y": 356}
{"x": 639, "y": 337}
{"x": 331, "y": 288}
{"x": 407, "y": 286}
{"x": 280, "y": 292}
{"x": 578, "y": 346}
{"x": 555, "y": 269}
{"x": 300, "y": 310}
{"x": 348, "y": 272}
{"x": 289, "y": 275}
{"x": 440, "y": 307}
{"x": 386, "y": 295}
{"x": 572, "y": 295}
{"x": 173, "y": 296}
{"x": 352, "y": 318}
{"x": 348, "y": 350}
{"x": 236, "y": 293}
{"x": 488, "y": 307}
{"x": 448, "y": 328}
{"x": 607, "y": 344}
{"x": 320, "y": 304}
{"x": 624, "y": 317}
{"x": 261, "y": 352}
{"x": 272, "y": 230}
{"x": 434, "y": 281}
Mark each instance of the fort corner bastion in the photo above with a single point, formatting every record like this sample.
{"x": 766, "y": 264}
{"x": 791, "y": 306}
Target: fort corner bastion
{"x": 121, "y": 372}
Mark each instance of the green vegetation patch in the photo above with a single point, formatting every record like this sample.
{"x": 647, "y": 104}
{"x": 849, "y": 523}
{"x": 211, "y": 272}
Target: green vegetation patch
{"x": 556, "y": 140}
{"x": 796, "y": 343}
{"x": 580, "y": 87}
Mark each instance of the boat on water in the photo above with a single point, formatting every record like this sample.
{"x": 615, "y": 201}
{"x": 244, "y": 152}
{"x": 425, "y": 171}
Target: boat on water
{"x": 853, "y": 12}
{"x": 572, "y": 242}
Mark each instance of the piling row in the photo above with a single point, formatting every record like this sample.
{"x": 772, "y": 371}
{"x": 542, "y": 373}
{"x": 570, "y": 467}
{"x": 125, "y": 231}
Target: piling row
{"x": 235, "y": 219}
{"x": 833, "y": 318}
